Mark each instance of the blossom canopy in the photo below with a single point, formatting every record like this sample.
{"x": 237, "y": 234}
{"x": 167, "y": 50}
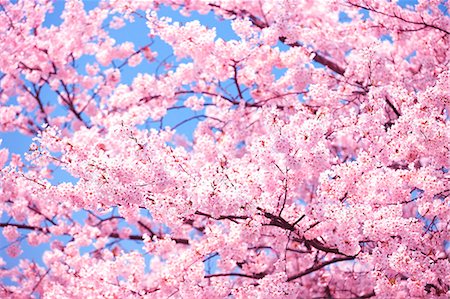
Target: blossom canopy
{"x": 301, "y": 153}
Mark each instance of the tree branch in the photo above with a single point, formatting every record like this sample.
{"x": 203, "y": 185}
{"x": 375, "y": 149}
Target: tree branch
{"x": 261, "y": 24}
{"x": 320, "y": 266}
{"x": 254, "y": 276}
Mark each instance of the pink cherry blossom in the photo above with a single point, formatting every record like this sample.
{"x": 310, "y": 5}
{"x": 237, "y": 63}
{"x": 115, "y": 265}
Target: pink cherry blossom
{"x": 14, "y": 250}
{"x": 11, "y": 233}
{"x": 303, "y": 153}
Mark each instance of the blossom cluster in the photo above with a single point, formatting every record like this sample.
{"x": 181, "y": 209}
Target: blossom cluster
{"x": 317, "y": 166}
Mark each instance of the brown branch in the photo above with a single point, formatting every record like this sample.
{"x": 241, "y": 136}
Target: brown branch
{"x": 195, "y": 117}
{"x": 236, "y": 82}
{"x": 133, "y": 54}
{"x": 22, "y": 226}
{"x": 222, "y": 217}
{"x": 112, "y": 235}
{"x": 141, "y": 238}
{"x": 277, "y": 221}
{"x": 397, "y": 113}
{"x": 70, "y": 104}
{"x": 320, "y": 266}
{"x": 254, "y": 276}
{"x": 261, "y": 24}
{"x": 39, "y": 281}
{"x": 328, "y": 63}
{"x": 285, "y": 187}
{"x": 319, "y": 246}
{"x": 37, "y": 97}
{"x": 401, "y": 18}
{"x": 40, "y": 213}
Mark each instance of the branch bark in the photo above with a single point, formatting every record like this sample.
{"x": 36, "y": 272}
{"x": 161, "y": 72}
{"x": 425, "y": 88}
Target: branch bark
{"x": 320, "y": 266}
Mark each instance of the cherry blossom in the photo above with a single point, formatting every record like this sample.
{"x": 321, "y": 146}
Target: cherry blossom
{"x": 316, "y": 166}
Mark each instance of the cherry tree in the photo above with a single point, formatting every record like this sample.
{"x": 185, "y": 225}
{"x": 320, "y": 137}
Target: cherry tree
{"x": 317, "y": 168}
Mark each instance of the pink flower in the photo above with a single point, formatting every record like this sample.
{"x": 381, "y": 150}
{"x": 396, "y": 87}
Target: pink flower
{"x": 116, "y": 23}
{"x": 11, "y": 233}
{"x": 4, "y": 153}
{"x": 14, "y": 250}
